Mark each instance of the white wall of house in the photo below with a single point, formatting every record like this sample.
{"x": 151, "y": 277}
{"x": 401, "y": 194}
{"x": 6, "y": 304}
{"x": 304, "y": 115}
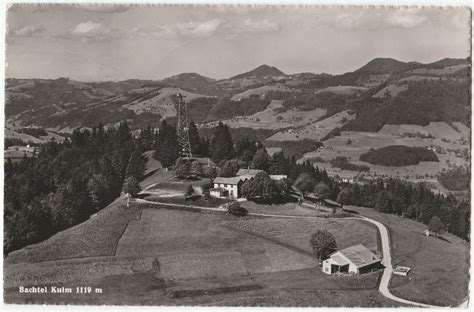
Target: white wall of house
{"x": 233, "y": 189}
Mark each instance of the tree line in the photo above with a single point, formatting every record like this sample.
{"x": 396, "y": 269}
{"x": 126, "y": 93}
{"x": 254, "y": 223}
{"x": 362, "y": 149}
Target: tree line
{"x": 67, "y": 182}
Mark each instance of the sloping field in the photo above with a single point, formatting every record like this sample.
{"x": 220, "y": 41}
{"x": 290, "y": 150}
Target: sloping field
{"x": 162, "y": 103}
{"x": 190, "y": 245}
{"x": 270, "y": 118}
{"x": 439, "y": 71}
{"x": 440, "y": 267}
{"x": 314, "y": 131}
{"x": 343, "y": 90}
{"x": 443, "y": 130}
{"x": 462, "y": 128}
{"x": 97, "y": 236}
{"x": 393, "y": 90}
{"x": 259, "y": 91}
{"x": 400, "y": 130}
{"x": 296, "y": 232}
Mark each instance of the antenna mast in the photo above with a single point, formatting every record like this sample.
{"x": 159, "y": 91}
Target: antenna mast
{"x": 182, "y": 129}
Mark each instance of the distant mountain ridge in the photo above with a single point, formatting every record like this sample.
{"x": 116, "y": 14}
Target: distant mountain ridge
{"x": 62, "y": 103}
{"x": 260, "y": 72}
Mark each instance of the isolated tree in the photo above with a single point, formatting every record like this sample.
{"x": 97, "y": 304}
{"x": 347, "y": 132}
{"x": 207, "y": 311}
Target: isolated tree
{"x": 436, "y": 226}
{"x": 260, "y": 186}
{"x": 323, "y": 244}
{"x": 261, "y": 159}
{"x": 304, "y": 183}
{"x": 131, "y": 186}
{"x": 344, "y": 196}
{"x": 322, "y": 190}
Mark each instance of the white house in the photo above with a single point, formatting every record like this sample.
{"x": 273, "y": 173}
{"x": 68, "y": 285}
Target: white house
{"x": 356, "y": 260}
{"x": 231, "y": 185}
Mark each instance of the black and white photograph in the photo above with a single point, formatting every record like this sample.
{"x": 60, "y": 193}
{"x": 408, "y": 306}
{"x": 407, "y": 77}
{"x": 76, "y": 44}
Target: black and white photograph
{"x": 236, "y": 155}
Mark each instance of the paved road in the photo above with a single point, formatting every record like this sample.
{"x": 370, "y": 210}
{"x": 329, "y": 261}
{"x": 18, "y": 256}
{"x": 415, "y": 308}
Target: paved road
{"x": 388, "y": 271}
{"x": 386, "y": 260}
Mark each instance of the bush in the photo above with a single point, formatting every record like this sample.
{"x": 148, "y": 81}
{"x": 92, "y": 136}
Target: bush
{"x": 189, "y": 190}
{"x": 235, "y": 209}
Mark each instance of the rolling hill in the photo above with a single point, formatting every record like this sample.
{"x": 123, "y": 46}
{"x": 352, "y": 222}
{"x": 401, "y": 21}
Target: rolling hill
{"x": 383, "y": 91}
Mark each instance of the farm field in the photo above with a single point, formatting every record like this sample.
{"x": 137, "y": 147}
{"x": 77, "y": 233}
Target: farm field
{"x": 440, "y": 267}
{"x": 344, "y": 90}
{"x": 162, "y": 103}
{"x": 314, "y": 131}
{"x": 176, "y": 257}
{"x": 260, "y": 91}
{"x": 447, "y": 143}
{"x": 270, "y": 118}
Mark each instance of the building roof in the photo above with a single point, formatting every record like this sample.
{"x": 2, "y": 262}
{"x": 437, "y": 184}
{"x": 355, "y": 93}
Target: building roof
{"x": 332, "y": 202}
{"x": 339, "y": 260}
{"x": 252, "y": 172}
{"x": 359, "y": 255}
{"x": 232, "y": 180}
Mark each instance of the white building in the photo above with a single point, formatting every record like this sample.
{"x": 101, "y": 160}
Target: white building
{"x": 356, "y": 260}
{"x": 230, "y": 187}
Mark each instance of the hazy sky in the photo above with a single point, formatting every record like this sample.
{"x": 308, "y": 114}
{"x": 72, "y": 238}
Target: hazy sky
{"x": 152, "y": 42}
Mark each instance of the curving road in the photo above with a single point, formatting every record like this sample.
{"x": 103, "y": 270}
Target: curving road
{"x": 385, "y": 240}
{"x": 388, "y": 271}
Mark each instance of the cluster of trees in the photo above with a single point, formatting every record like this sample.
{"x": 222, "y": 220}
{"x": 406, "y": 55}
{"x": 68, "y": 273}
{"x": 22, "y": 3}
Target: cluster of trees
{"x": 398, "y": 156}
{"x": 409, "y": 200}
{"x": 456, "y": 179}
{"x": 344, "y": 164}
{"x": 67, "y": 182}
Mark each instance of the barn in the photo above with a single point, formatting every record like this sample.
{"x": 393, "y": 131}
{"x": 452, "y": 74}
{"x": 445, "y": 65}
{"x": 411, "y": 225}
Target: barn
{"x": 352, "y": 260}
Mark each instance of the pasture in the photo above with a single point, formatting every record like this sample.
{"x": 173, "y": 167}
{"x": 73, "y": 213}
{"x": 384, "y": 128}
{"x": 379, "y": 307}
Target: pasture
{"x": 174, "y": 257}
{"x": 440, "y": 267}
{"x": 314, "y": 131}
{"x": 271, "y": 118}
{"x": 448, "y": 143}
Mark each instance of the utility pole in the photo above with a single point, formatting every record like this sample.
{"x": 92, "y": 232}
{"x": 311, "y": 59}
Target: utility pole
{"x": 182, "y": 129}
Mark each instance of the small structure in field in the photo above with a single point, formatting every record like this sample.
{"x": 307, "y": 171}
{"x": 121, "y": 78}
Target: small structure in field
{"x": 427, "y": 233}
{"x": 332, "y": 203}
{"x": 352, "y": 260}
{"x": 401, "y": 270}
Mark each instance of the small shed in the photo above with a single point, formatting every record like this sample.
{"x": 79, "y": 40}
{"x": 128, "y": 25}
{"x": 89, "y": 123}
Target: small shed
{"x": 355, "y": 259}
{"x": 332, "y": 203}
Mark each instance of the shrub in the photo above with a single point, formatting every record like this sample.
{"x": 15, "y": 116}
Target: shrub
{"x": 235, "y": 209}
{"x": 189, "y": 190}
{"x": 131, "y": 186}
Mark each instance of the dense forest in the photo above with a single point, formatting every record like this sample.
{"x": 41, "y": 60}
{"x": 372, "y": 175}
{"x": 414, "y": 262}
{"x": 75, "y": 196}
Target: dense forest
{"x": 456, "y": 179}
{"x": 67, "y": 182}
{"x": 398, "y": 156}
{"x": 424, "y": 101}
